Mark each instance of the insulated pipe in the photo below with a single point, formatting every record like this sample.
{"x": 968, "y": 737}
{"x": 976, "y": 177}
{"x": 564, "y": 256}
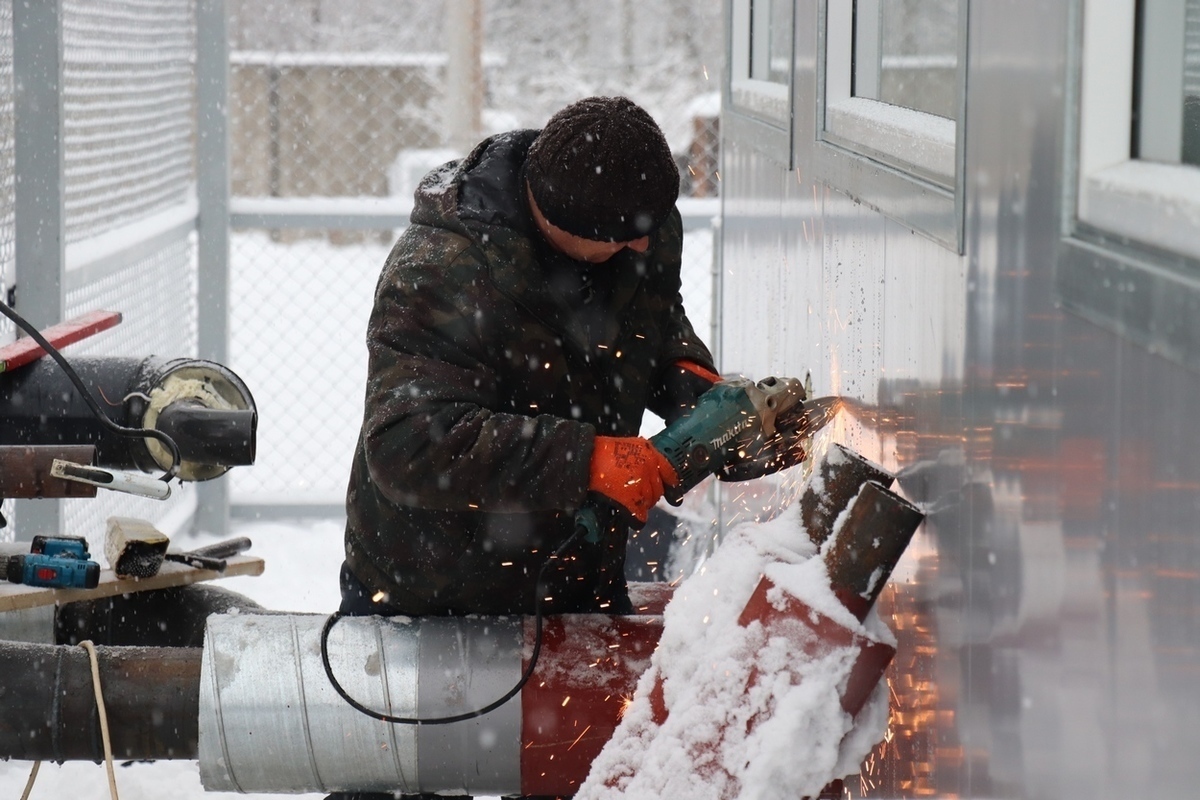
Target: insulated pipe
{"x": 836, "y": 482}
{"x": 270, "y": 721}
{"x": 260, "y": 714}
{"x": 40, "y": 405}
{"x": 217, "y": 436}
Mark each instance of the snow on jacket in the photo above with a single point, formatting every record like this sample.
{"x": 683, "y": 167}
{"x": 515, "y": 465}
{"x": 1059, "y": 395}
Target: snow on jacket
{"x": 494, "y": 363}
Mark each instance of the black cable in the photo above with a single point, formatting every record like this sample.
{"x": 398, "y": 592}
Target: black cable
{"x": 120, "y": 430}
{"x": 479, "y": 712}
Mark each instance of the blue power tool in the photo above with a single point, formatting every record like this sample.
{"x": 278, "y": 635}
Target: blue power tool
{"x": 57, "y": 562}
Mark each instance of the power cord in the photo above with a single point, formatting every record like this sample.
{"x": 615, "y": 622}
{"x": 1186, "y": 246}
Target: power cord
{"x": 510, "y": 694}
{"x": 120, "y": 430}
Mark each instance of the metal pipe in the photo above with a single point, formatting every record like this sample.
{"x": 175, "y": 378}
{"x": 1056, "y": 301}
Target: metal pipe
{"x": 270, "y": 721}
{"x": 151, "y": 696}
{"x": 41, "y": 406}
{"x": 841, "y": 473}
{"x": 224, "y": 437}
{"x": 869, "y": 543}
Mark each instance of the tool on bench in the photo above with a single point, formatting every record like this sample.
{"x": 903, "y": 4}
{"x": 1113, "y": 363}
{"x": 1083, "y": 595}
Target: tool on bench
{"x": 136, "y": 549}
{"x": 58, "y": 562}
{"x": 212, "y": 556}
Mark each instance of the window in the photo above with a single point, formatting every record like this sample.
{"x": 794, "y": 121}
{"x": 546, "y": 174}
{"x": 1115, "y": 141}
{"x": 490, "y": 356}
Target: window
{"x": 892, "y": 94}
{"x": 1138, "y": 136}
{"x": 1131, "y": 257}
{"x": 760, "y": 71}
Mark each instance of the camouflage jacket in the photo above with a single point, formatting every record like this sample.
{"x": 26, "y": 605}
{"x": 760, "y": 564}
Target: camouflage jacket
{"x": 494, "y": 363}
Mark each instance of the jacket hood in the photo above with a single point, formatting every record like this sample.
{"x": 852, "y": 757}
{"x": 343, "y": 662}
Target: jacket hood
{"x": 482, "y": 189}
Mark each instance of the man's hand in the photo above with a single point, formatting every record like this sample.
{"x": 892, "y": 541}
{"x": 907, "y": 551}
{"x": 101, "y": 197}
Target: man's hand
{"x": 631, "y": 472}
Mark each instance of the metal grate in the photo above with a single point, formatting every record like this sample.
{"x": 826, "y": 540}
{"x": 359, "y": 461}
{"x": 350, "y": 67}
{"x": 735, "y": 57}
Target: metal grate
{"x": 157, "y": 297}
{"x": 299, "y": 321}
{"x": 128, "y": 110}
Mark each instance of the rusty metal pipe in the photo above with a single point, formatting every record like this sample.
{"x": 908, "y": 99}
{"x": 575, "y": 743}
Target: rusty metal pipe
{"x": 869, "y": 543}
{"x": 152, "y": 696}
{"x": 841, "y": 473}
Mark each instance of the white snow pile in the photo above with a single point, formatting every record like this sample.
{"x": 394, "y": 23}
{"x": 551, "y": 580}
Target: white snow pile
{"x": 750, "y": 715}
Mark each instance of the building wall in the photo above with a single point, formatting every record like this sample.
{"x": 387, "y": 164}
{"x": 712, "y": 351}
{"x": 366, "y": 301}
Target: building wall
{"x": 1048, "y": 610}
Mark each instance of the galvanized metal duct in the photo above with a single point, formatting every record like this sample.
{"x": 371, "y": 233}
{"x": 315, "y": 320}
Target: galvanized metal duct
{"x": 271, "y": 722}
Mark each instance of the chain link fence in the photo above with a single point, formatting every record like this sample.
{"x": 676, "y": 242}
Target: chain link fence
{"x": 337, "y": 108}
{"x": 127, "y": 188}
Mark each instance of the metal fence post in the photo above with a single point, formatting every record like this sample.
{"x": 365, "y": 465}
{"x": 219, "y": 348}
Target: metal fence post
{"x": 212, "y": 189}
{"x": 39, "y": 207}
{"x": 463, "y": 102}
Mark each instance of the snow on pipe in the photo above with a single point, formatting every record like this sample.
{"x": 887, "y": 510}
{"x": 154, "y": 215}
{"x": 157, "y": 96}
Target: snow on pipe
{"x": 203, "y": 405}
{"x": 869, "y": 542}
{"x": 268, "y": 720}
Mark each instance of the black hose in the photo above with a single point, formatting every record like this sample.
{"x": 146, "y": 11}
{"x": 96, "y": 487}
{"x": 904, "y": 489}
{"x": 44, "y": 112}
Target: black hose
{"x": 479, "y": 712}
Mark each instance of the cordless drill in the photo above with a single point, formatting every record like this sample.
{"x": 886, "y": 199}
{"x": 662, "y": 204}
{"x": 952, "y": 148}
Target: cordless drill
{"x": 723, "y": 428}
{"x": 58, "y": 562}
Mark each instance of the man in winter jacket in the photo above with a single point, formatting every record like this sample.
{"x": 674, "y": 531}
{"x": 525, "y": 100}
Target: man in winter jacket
{"x": 522, "y": 325}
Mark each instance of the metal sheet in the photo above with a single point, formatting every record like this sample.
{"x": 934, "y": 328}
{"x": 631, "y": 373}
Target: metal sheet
{"x": 465, "y": 664}
{"x": 270, "y": 721}
{"x": 1048, "y": 612}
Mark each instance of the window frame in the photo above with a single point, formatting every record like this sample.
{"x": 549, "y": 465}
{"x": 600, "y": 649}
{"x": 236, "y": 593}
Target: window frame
{"x": 1152, "y": 202}
{"x": 763, "y": 109}
{"x": 864, "y": 147}
{"x": 1129, "y": 257}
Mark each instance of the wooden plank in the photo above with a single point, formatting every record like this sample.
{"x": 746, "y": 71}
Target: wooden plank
{"x": 14, "y": 597}
{"x": 25, "y": 350}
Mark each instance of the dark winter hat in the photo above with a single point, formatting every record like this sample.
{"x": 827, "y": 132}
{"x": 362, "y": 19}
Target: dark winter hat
{"x": 601, "y": 169}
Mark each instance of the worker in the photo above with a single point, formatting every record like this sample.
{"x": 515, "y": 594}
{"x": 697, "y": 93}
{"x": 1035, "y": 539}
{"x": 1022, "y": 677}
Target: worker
{"x": 522, "y": 326}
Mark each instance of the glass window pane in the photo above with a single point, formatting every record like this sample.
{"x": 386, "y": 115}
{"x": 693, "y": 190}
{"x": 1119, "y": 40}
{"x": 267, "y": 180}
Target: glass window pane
{"x": 771, "y": 40}
{"x": 906, "y": 53}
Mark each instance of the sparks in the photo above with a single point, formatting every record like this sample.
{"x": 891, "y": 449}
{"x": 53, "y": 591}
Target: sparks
{"x": 580, "y": 736}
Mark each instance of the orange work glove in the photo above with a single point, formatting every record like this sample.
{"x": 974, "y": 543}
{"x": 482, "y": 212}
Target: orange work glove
{"x": 630, "y": 471}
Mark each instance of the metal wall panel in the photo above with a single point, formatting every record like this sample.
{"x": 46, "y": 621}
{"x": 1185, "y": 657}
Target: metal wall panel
{"x": 1048, "y": 612}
